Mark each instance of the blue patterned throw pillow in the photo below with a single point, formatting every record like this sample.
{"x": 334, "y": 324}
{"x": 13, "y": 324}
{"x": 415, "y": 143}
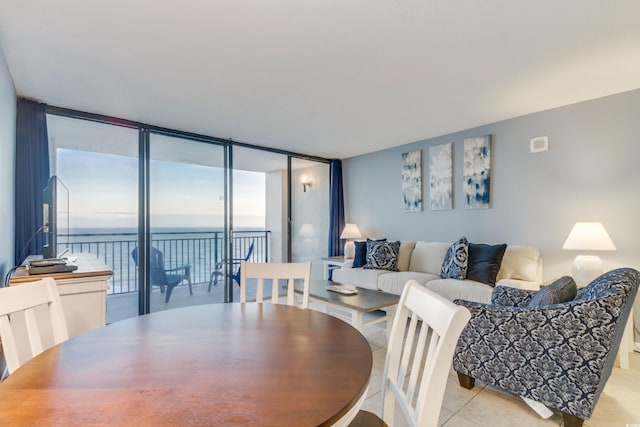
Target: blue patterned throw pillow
{"x": 360, "y": 258}
{"x": 455, "y": 261}
{"x": 382, "y": 255}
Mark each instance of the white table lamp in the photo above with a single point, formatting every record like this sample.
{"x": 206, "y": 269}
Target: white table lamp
{"x": 588, "y": 236}
{"x": 349, "y": 232}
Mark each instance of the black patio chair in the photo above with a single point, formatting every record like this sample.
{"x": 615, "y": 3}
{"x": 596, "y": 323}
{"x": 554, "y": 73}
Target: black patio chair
{"x": 159, "y": 276}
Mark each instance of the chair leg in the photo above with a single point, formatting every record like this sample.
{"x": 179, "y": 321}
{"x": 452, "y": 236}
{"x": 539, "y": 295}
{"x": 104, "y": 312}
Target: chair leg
{"x": 569, "y": 420}
{"x": 187, "y": 276}
{"x": 168, "y": 294}
{"x": 466, "y": 381}
{"x": 213, "y": 279}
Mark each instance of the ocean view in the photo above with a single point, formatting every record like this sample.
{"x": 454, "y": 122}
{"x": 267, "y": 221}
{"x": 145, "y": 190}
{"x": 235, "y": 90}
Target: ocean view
{"x": 199, "y": 248}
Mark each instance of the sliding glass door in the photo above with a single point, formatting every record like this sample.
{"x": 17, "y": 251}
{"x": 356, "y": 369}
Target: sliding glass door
{"x": 187, "y": 222}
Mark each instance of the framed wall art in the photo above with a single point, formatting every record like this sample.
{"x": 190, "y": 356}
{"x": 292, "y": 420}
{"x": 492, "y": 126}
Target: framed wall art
{"x": 476, "y": 183}
{"x": 441, "y": 177}
{"x": 412, "y": 181}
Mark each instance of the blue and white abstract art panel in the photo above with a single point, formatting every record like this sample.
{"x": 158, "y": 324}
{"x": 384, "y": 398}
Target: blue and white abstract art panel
{"x": 441, "y": 177}
{"x": 412, "y": 181}
{"x": 477, "y": 172}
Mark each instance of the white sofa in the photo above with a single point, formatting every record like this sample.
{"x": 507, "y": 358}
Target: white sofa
{"x": 422, "y": 261}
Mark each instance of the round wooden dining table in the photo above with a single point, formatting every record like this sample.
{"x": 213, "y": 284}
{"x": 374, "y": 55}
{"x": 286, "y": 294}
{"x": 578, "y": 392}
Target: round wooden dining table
{"x": 218, "y": 364}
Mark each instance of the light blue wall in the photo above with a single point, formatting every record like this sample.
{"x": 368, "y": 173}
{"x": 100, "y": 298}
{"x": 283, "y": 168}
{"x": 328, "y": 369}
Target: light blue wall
{"x": 591, "y": 172}
{"x": 7, "y": 161}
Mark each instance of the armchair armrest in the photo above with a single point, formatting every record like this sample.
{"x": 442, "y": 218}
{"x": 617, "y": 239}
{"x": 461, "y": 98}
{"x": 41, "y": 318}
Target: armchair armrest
{"x": 187, "y": 272}
{"x": 186, "y": 268}
{"x": 511, "y": 297}
{"x": 234, "y": 261}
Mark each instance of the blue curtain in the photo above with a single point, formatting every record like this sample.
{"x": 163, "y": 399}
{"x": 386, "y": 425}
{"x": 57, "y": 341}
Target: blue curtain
{"x": 32, "y": 175}
{"x": 336, "y": 208}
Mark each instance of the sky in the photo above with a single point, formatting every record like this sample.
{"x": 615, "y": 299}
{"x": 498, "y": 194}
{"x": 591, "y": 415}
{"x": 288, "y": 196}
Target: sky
{"x": 103, "y": 192}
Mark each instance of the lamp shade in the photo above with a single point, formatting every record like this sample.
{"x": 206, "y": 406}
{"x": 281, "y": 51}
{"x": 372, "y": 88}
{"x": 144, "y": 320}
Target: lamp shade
{"x": 350, "y": 231}
{"x": 589, "y": 236}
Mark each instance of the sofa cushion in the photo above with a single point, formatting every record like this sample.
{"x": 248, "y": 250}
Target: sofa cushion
{"x": 357, "y": 276}
{"x": 427, "y": 257}
{"x": 562, "y": 290}
{"x": 382, "y": 255}
{"x": 484, "y": 262}
{"x": 404, "y": 255}
{"x": 469, "y": 290}
{"x": 455, "y": 261}
{"x": 520, "y": 262}
{"x": 394, "y": 283}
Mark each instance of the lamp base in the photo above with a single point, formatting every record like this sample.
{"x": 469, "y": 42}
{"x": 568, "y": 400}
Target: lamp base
{"x": 349, "y": 249}
{"x": 586, "y": 268}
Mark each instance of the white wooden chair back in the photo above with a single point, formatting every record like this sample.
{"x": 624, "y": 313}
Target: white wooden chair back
{"x": 419, "y": 354}
{"x": 18, "y": 306}
{"x": 276, "y": 271}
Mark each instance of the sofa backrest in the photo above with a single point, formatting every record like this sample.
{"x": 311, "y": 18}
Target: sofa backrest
{"x": 427, "y": 257}
{"x": 521, "y": 263}
{"x": 404, "y": 256}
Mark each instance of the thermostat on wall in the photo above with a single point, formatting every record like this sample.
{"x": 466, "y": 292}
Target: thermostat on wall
{"x": 538, "y": 144}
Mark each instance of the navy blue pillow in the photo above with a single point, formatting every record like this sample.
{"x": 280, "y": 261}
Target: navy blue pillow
{"x": 485, "y": 262}
{"x": 360, "y": 257}
{"x": 562, "y": 290}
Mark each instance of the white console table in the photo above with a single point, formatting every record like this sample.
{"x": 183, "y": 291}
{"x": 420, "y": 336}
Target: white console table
{"x": 83, "y": 292}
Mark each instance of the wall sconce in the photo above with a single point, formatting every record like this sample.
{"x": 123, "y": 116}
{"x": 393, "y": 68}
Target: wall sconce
{"x": 588, "y": 236}
{"x": 305, "y": 181}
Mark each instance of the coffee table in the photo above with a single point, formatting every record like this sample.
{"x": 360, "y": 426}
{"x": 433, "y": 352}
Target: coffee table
{"x": 365, "y": 301}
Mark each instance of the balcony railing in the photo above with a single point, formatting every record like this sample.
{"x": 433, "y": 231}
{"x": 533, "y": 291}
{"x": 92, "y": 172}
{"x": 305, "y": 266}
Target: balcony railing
{"x": 200, "y": 250}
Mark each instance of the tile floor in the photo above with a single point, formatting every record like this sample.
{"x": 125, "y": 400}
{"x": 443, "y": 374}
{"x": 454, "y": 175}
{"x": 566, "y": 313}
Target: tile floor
{"x": 619, "y": 404}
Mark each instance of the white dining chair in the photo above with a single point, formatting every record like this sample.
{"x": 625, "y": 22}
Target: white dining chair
{"x": 421, "y": 345}
{"x": 19, "y": 308}
{"x": 276, "y": 272}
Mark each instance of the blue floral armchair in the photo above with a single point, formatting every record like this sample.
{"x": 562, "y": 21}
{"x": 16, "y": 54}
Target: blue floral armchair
{"x": 560, "y": 355}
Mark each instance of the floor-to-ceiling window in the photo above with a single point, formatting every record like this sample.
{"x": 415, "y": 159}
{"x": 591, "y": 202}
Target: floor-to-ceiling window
{"x": 98, "y": 164}
{"x": 207, "y": 202}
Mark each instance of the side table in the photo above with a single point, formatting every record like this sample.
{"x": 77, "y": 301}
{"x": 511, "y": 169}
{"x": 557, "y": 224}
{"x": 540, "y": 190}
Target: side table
{"x": 331, "y": 263}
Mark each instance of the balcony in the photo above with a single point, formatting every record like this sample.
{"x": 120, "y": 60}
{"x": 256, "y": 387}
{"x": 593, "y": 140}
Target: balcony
{"x": 200, "y": 250}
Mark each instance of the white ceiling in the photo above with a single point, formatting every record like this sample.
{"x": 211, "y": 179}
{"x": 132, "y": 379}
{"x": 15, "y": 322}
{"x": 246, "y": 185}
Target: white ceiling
{"x": 333, "y": 78}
